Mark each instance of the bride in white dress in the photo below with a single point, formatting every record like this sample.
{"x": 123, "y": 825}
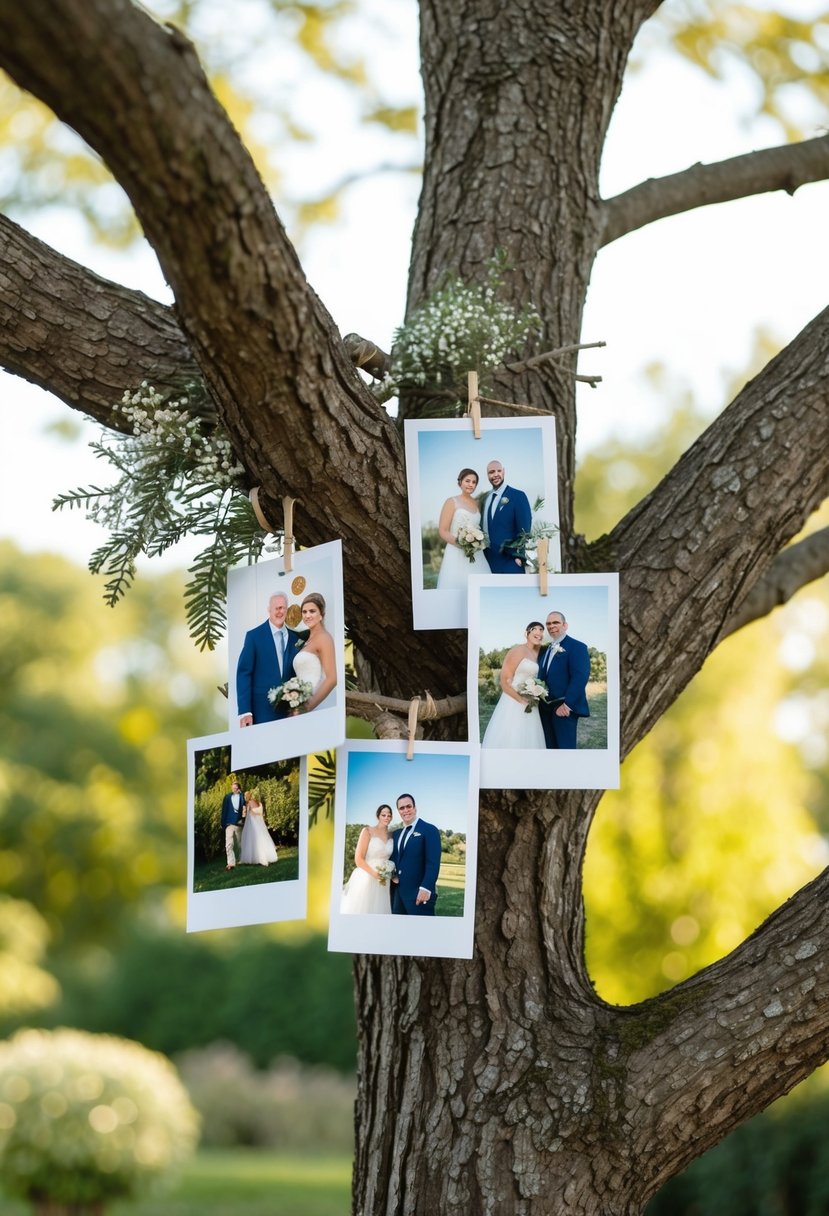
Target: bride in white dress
{"x": 455, "y": 567}
{"x": 316, "y": 662}
{"x": 257, "y": 847}
{"x": 364, "y": 893}
{"x": 510, "y": 725}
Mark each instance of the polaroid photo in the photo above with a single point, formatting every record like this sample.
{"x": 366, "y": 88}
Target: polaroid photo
{"x": 247, "y": 838}
{"x": 489, "y": 498}
{"x": 405, "y": 849}
{"x": 543, "y": 681}
{"x": 286, "y": 656}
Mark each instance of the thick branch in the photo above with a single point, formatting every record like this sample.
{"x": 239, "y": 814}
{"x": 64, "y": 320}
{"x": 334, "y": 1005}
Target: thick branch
{"x": 286, "y": 390}
{"x": 692, "y": 550}
{"x": 784, "y": 168}
{"x": 792, "y": 569}
{"x": 82, "y": 337}
{"x": 732, "y": 1039}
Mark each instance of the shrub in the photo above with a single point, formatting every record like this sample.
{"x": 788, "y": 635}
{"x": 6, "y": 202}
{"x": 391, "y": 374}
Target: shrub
{"x": 88, "y": 1118}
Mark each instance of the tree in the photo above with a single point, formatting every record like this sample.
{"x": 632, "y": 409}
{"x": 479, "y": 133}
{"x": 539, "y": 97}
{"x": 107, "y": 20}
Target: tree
{"x": 504, "y": 1083}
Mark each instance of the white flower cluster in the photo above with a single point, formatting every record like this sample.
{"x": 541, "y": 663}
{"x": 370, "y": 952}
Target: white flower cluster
{"x": 293, "y": 692}
{"x": 161, "y": 431}
{"x": 85, "y": 1117}
{"x": 458, "y": 329}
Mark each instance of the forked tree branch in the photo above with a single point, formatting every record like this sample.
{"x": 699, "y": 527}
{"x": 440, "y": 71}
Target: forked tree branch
{"x": 786, "y": 168}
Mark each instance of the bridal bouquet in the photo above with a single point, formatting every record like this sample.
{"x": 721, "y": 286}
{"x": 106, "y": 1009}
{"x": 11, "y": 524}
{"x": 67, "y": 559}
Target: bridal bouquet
{"x": 384, "y": 869}
{"x": 293, "y": 692}
{"x": 532, "y": 691}
{"x": 471, "y": 540}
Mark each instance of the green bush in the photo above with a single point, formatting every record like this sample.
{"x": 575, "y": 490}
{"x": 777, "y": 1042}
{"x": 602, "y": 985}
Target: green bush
{"x": 85, "y": 1119}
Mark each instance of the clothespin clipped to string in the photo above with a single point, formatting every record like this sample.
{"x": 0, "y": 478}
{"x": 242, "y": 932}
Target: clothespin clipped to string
{"x": 543, "y": 551}
{"x": 288, "y": 550}
{"x": 414, "y": 709}
{"x": 473, "y": 409}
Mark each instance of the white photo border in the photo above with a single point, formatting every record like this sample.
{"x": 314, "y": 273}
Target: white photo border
{"x": 324, "y": 728}
{"x": 404, "y": 936}
{"x": 591, "y": 769}
{"x": 263, "y": 903}
{"x": 447, "y": 608}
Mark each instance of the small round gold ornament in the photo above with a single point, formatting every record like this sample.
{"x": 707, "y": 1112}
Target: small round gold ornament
{"x": 298, "y": 585}
{"x": 293, "y": 616}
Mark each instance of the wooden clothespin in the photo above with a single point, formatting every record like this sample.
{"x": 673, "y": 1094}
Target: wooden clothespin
{"x": 543, "y": 550}
{"x": 288, "y": 551}
{"x": 414, "y": 710}
{"x": 473, "y": 409}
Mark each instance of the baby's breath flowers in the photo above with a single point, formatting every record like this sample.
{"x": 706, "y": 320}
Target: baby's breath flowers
{"x": 461, "y": 327}
{"x": 88, "y": 1118}
{"x": 177, "y": 477}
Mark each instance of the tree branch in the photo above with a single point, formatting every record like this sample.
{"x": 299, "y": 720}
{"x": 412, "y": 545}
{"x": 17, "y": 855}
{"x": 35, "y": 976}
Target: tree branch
{"x": 710, "y": 529}
{"x": 785, "y": 168}
{"x": 82, "y": 337}
{"x": 795, "y": 567}
{"x": 727, "y": 1042}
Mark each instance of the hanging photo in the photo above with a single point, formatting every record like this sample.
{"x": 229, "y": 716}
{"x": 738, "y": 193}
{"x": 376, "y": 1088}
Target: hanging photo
{"x": 247, "y": 832}
{"x": 543, "y": 684}
{"x": 286, "y": 643}
{"x": 406, "y": 840}
{"x": 476, "y": 507}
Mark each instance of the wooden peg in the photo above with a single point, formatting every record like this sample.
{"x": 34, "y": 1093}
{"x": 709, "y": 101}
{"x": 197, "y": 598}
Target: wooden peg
{"x": 543, "y": 551}
{"x": 414, "y": 710}
{"x": 474, "y": 406}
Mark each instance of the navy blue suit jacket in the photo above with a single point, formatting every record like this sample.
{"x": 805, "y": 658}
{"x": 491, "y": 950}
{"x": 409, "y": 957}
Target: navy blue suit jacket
{"x": 258, "y": 670}
{"x": 416, "y": 866}
{"x": 229, "y": 814}
{"x": 512, "y": 517}
{"x": 566, "y": 678}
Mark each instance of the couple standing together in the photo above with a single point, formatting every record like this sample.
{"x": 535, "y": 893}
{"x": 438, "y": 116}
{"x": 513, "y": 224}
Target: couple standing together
{"x": 244, "y": 827}
{"x": 504, "y": 516}
{"x": 272, "y": 654}
{"x": 407, "y": 886}
{"x": 564, "y": 667}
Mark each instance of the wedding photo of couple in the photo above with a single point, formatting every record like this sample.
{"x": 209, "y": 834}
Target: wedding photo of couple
{"x": 285, "y": 656}
{"x": 247, "y": 838}
{"x": 405, "y": 850}
{"x": 476, "y": 507}
{"x": 543, "y": 681}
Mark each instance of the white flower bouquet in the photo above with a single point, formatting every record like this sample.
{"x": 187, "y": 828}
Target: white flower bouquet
{"x": 471, "y": 540}
{"x": 385, "y": 869}
{"x": 532, "y": 691}
{"x": 293, "y": 692}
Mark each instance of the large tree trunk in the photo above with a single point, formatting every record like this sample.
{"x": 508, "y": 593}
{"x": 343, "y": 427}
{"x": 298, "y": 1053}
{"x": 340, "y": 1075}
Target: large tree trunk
{"x": 502, "y": 1084}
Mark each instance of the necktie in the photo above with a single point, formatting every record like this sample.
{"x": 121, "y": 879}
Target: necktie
{"x": 407, "y": 833}
{"x": 280, "y": 647}
{"x": 492, "y": 502}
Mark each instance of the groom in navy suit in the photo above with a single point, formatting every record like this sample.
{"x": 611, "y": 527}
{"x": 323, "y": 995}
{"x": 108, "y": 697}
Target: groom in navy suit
{"x": 266, "y": 661}
{"x": 564, "y": 666}
{"x": 416, "y": 856}
{"x": 506, "y": 516}
{"x": 233, "y": 816}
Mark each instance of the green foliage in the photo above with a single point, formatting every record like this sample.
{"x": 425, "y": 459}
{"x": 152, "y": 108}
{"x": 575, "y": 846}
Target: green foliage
{"x": 177, "y": 478}
{"x": 24, "y": 935}
{"x": 84, "y": 1119}
{"x": 175, "y": 993}
{"x": 322, "y": 777}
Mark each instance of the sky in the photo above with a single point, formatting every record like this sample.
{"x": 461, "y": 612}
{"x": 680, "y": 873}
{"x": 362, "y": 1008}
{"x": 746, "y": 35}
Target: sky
{"x": 505, "y": 613}
{"x": 688, "y": 292}
{"x": 439, "y": 785}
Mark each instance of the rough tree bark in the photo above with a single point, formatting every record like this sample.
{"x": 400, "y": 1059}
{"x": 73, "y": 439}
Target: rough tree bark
{"x": 503, "y": 1084}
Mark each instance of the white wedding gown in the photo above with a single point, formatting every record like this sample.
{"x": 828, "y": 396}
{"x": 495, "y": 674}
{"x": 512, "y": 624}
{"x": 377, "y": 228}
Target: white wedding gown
{"x": 363, "y": 894}
{"x": 308, "y": 667}
{"x": 509, "y": 725}
{"x": 257, "y": 847}
{"x": 455, "y": 568}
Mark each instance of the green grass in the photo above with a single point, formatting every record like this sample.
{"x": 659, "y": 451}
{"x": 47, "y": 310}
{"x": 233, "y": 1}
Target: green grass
{"x": 258, "y": 1183}
{"x": 450, "y": 901}
{"x": 212, "y": 875}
